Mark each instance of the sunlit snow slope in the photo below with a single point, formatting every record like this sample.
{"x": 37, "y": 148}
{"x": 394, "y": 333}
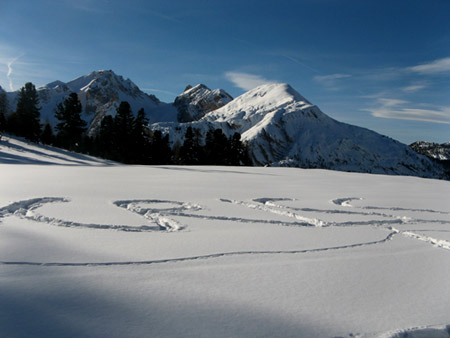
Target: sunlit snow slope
{"x": 92, "y": 249}
{"x": 282, "y": 128}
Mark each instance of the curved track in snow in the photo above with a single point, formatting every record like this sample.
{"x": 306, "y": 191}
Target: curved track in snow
{"x": 159, "y": 215}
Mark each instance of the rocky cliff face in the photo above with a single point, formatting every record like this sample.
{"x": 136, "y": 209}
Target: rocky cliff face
{"x": 100, "y": 93}
{"x": 436, "y": 151}
{"x": 196, "y": 102}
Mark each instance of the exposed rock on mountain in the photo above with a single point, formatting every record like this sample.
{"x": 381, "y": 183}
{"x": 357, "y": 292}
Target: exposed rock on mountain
{"x": 100, "y": 93}
{"x": 197, "y": 101}
{"x": 436, "y": 151}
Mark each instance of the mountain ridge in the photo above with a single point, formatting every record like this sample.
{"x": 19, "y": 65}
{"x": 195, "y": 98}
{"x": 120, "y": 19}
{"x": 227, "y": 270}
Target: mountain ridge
{"x": 440, "y": 152}
{"x": 281, "y": 127}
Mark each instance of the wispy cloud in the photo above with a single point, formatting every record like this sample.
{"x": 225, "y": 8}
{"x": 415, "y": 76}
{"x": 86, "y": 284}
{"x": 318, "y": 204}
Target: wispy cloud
{"x": 246, "y": 81}
{"x": 10, "y": 71}
{"x": 297, "y": 61}
{"x": 331, "y": 77}
{"x": 89, "y": 6}
{"x": 330, "y": 81}
{"x": 166, "y": 17}
{"x": 435, "y": 67}
{"x": 400, "y": 109}
{"x": 415, "y": 73}
{"x": 413, "y": 88}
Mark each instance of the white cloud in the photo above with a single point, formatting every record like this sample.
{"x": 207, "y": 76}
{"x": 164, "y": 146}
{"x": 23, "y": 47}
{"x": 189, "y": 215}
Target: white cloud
{"x": 401, "y": 109}
{"x": 246, "y": 81}
{"x": 434, "y": 67}
{"x": 10, "y": 71}
{"x": 388, "y": 103}
{"x": 413, "y": 88}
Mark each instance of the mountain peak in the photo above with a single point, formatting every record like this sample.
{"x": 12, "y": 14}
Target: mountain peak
{"x": 200, "y": 86}
{"x": 276, "y": 92}
{"x": 253, "y": 106}
{"x": 101, "y": 78}
{"x": 199, "y": 100}
{"x": 54, "y": 84}
{"x": 100, "y": 93}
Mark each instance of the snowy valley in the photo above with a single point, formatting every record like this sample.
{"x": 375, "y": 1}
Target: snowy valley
{"x": 91, "y": 248}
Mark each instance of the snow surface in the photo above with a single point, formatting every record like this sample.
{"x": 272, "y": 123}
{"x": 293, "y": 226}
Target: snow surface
{"x": 89, "y": 248}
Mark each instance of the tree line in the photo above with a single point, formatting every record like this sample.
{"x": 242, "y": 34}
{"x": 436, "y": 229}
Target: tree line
{"x": 122, "y": 138}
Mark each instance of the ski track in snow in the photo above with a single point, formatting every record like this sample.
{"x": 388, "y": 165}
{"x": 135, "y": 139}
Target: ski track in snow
{"x": 26, "y": 209}
{"x": 215, "y": 255}
{"x": 160, "y": 219}
{"x": 270, "y": 205}
{"x": 345, "y": 202}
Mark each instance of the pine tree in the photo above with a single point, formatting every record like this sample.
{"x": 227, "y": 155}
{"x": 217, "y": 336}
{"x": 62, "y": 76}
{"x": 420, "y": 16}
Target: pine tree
{"x": 237, "y": 151}
{"x": 176, "y": 153}
{"x": 160, "y": 152}
{"x": 71, "y": 125}
{"x": 216, "y": 147}
{"x": 3, "y": 108}
{"x": 47, "y": 136}
{"x": 191, "y": 149}
{"x": 105, "y": 142}
{"x": 124, "y": 125}
{"x": 141, "y": 139}
{"x": 27, "y": 115}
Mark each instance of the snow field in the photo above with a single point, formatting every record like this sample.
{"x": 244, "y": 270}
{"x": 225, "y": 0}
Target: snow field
{"x": 97, "y": 249}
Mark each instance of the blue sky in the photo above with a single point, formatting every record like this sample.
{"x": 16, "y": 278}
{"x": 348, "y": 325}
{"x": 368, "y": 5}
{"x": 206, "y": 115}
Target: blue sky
{"x": 383, "y": 65}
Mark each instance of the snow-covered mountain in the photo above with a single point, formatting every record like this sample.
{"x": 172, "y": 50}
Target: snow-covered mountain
{"x": 437, "y": 151}
{"x": 282, "y": 128}
{"x": 197, "y": 101}
{"x": 100, "y": 93}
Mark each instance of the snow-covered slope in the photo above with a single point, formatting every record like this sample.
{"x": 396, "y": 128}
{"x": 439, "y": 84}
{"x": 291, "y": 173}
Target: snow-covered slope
{"x": 171, "y": 251}
{"x": 282, "y": 128}
{"x": 15, "y": 150}
{"x": 197, "y": 101}
{"x": 100, "y": 93}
